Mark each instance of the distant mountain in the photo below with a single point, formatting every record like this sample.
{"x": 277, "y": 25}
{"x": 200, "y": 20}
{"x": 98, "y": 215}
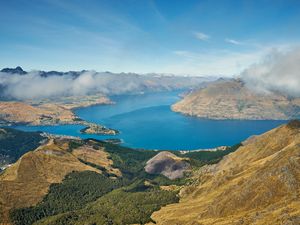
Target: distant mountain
{"x": 257, "y": 184}
{"x": 57, "y": 73}
{"x": 17, "y": 70}
{"x": 232, "y": 99}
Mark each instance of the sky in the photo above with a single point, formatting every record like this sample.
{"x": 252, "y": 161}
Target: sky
{"x": 164, "y": 36}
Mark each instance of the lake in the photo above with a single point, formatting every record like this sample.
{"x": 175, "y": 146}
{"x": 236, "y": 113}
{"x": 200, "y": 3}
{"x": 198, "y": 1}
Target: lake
{"x": 146, "y": 121}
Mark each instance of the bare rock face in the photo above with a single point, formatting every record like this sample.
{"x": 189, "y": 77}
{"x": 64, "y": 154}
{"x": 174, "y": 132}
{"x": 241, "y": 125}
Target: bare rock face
{"x": 232, "y": 99}
{"x": 167, "y": 164}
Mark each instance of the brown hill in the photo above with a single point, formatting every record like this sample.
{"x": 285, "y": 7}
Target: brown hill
{"x": 19, "y": 112}
{"x": 257, "y": 184}
{"x": 48, "y": 111}
{"x": 231, "y": 99}
{"x": 167, "y": 164}
{"x": 26, "y": 182}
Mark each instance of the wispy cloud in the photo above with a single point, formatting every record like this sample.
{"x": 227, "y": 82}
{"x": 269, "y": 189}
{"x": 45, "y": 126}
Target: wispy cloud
{"x": 201, "y": 36}
{"x": 214, "y": 62}
{"x": 233, "y": 41}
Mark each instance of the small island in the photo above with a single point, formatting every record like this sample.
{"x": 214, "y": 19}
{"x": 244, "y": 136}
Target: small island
{"x": 92, "y": 128}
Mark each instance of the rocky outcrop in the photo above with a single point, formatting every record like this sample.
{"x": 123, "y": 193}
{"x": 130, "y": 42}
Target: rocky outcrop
{"x": 231, "y": 99}
{"x": 167, "y": 164}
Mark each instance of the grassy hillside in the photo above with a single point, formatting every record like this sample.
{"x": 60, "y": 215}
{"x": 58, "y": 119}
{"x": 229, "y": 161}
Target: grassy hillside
{"x": 200, "y": 158}
{"x": 81, "y": 188}
{"x": 257, "y": 184}
{"x": 109, "y": 187}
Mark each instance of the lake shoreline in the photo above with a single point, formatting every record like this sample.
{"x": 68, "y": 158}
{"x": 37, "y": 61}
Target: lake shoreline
{"x": 147, "y": 122}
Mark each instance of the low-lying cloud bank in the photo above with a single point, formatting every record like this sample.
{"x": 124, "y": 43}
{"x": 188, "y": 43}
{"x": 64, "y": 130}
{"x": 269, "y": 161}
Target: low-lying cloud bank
{"x": 35, "y": 85}
{"x": 278, "y": 72}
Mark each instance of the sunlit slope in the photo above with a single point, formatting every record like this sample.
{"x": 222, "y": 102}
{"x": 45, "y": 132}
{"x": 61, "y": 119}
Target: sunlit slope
{"x": 257, "y": 184}
{"x": 27, "y": 181}
{"x": 232, "y": 99}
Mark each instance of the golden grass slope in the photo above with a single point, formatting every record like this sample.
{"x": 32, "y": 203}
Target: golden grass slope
{"x": 98, "y": 157}
{"x": 19, "y": 112}
{"x": 257, "y": 184}
{"x": 27, "y": 181}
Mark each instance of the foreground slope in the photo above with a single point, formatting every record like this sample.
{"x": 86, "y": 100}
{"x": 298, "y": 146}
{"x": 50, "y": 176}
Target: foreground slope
{"x": 257, "y": 184}
{"x": 231, "y": 99}
{"x": 27, "y": 181}
{"x": 72, "y": 181}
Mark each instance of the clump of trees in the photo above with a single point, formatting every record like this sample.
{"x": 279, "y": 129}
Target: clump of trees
{"x": 76, "y": 190}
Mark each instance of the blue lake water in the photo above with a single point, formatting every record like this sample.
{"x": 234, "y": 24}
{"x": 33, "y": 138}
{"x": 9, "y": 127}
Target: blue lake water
{"x": 146, "y": 121}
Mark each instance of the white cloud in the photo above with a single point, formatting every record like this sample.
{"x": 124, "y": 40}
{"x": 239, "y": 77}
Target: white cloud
{"x": 34, "y": 86}
{"x": 232, "y": 41}
{"x": 279, "y": 71}
{"x": 201, "y": 36}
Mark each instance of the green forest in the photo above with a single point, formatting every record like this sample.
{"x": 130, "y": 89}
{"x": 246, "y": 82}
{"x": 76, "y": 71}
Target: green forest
{"x": 15, "y": 143}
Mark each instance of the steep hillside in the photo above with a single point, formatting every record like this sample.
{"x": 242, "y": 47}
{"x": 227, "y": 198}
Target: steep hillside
{"x": 26, "y": 182}
{"x": 257, "y": 184}
{"x": 231, "y": 99}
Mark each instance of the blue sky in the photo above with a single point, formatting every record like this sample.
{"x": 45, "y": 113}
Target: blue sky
{"x": 168, "y": 36}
